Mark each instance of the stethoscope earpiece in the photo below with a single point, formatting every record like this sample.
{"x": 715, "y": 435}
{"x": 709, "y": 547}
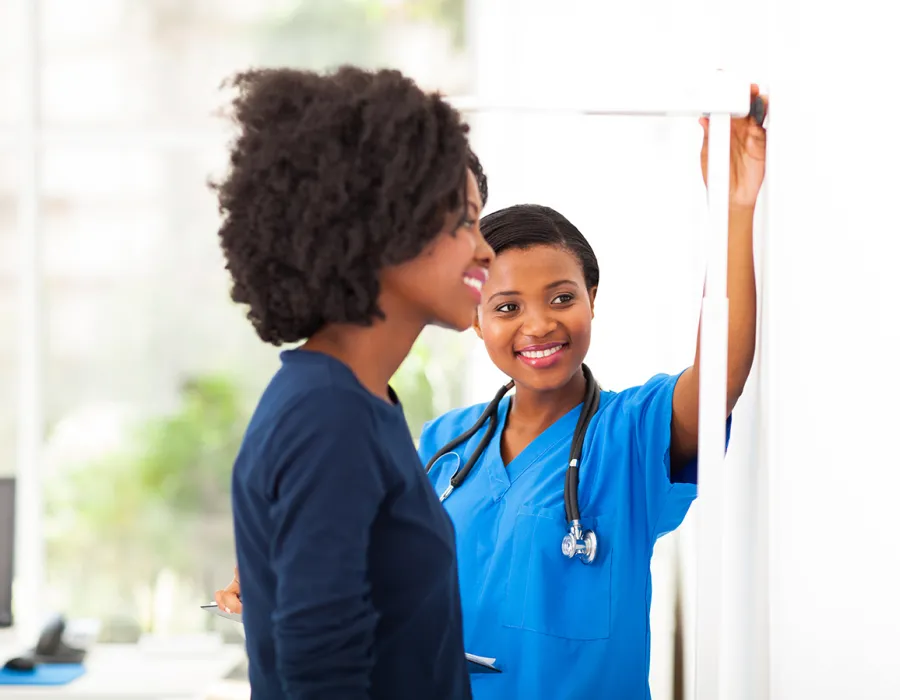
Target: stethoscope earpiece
{"x": 452, "y": 485}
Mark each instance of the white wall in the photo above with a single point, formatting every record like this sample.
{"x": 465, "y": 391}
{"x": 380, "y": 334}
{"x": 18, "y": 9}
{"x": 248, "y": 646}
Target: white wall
{"x": 834, "y": 338}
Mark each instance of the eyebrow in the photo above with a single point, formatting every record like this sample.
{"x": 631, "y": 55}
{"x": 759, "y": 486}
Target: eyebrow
{"x": 512, "y": 293}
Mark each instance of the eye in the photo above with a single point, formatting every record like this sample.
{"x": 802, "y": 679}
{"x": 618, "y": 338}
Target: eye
{"x": 564, "y": 298}
{"x": 506, "y": 308}
{"x": 469, "y": 218}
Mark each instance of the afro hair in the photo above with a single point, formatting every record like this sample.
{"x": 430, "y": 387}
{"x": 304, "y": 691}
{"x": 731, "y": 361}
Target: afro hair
{"x": 480, "y": 177}
{"x": 333, "y": 177}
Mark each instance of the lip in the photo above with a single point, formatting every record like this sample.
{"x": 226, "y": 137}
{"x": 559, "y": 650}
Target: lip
{"x": 479, "y": 276}
{"x": 542, "y": 346}
{"x": 544, "y": 361}
{"x": 477, "y": 272}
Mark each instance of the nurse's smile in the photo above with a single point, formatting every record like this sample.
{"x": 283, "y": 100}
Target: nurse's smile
{"x": 543, "y": 355}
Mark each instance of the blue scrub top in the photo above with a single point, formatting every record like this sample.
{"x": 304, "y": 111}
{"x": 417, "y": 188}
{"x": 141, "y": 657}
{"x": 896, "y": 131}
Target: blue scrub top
{"x": 560, "y": 629}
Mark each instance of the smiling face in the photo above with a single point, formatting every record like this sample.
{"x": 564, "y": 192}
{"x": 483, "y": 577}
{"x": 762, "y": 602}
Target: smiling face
{"x": 444, "y": 284}
{"x": 535, "y": 317}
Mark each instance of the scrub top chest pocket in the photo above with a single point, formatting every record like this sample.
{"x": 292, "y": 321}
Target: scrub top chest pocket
{"x": 549, "y": 593}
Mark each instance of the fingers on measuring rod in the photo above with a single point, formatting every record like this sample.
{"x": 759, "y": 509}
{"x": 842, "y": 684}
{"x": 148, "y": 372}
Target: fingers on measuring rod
{"x": 757, "y": 110}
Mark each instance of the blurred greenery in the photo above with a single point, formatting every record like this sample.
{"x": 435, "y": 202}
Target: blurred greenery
{"x": 161, "y": 504}
{"x": 320, "y": 34}
{"x": 414, "y": 389}
{"x": 450, "y": 13}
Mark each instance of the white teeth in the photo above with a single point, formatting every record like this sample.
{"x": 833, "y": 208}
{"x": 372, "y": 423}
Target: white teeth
{"x": 473, "y": 283}
{"x": 535, "y": 354}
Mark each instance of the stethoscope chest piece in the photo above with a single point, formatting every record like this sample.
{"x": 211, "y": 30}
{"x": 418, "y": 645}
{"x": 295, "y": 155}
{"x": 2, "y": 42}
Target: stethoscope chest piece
{"x": 580, "y": 543}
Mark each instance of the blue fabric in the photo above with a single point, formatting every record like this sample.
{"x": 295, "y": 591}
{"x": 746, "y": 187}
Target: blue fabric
{"x": 560, "y": 629}
{"x": 347, "y": 560}
{"x": 43, "y": 674}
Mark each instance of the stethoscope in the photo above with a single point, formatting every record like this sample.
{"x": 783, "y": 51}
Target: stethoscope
{"x": 581, "y": 543}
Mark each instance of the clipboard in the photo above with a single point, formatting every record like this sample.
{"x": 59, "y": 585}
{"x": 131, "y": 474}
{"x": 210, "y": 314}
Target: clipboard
{"x": 481, "y": 664}
{"x": 476, "y": 664}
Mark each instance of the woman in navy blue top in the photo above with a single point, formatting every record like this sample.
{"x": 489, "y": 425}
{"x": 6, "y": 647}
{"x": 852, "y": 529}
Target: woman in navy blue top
{"x": 350, "y": 221}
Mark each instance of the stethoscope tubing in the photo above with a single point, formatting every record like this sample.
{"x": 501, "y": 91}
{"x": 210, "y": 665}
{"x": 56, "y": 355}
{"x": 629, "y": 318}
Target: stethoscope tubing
{"x": 590, "y": 406}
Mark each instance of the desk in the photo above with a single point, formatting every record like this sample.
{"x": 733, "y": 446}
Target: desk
{"x": 134, "y": 672}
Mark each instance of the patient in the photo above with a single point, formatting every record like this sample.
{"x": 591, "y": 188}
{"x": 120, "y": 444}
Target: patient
{"x": 350, "y": 223}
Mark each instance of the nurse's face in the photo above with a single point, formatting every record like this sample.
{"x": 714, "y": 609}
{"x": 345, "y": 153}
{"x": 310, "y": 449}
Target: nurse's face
{"x": 535, "y": 318}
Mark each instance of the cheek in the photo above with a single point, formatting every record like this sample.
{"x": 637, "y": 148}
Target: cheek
{"x": 498, "y": 336}
{"x": 467, "y": 250}
{"x": 579, "y": 327}
{"x": 450, "y": 258}
{"x": 458, "y": 247}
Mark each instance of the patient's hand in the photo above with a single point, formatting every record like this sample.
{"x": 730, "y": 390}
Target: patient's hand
{"x": 229, "y": 598}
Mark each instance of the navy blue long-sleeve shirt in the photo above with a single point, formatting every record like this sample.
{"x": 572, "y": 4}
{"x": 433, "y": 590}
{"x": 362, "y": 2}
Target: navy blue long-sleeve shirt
{"x": 347, "y": 559}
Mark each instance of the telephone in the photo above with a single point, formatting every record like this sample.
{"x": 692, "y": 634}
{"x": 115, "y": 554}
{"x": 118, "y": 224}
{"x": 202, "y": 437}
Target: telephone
{"x": 50, "y": 649}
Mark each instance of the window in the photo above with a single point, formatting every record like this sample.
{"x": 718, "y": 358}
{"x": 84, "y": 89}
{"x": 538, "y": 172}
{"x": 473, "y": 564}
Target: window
{"x": 11, "y": 42}
{"x": 159, "y": 63}
{"x": 148, "y": 370}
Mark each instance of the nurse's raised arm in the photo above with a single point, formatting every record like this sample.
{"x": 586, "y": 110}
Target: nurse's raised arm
{"x": 748, "y": 163}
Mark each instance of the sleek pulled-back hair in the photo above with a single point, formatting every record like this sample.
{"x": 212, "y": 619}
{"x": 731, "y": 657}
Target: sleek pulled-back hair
{"x": 332, "y": 178}
{"x": 527, "y": 225}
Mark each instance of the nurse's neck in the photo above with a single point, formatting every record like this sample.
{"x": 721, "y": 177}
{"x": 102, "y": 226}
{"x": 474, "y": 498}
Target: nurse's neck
{"x": 373, "y": 353}
{"x": 533, "y": 410}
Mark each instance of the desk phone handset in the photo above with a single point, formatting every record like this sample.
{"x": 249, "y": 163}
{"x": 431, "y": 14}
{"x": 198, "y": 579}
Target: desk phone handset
{"x": 50, "y": 649}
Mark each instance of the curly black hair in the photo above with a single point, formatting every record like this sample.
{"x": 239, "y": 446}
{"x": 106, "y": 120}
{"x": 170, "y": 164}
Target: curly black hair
{"x": 480, "y": 177}
{"x": 333, "y": 177}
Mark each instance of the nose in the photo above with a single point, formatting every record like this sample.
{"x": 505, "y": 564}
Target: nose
{"x": 537, "y": 323}
{"x": 484, "y": 254}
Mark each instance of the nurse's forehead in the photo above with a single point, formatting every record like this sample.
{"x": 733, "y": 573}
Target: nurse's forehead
{"x": 533, "y": 266}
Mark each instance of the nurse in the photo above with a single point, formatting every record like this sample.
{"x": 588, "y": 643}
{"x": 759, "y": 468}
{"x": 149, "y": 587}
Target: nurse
{"x": 562, "y": 629}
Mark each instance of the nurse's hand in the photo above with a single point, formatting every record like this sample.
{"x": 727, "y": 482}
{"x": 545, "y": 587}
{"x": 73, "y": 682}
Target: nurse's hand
{"x": 228, "y": 598}
{"x": 748, "y": 156}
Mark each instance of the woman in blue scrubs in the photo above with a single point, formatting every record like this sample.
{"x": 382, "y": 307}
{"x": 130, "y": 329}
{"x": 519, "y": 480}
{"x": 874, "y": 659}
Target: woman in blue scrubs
{"x": 561, "y": 629}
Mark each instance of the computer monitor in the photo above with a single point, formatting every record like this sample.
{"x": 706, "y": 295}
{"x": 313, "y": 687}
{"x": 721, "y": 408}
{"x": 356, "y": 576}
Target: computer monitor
{"x": 7, "y": 547}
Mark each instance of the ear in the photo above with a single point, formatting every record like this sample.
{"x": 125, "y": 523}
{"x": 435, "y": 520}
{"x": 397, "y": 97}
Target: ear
{"x": 476, "y": 323}
{"x": 592, "y": 293}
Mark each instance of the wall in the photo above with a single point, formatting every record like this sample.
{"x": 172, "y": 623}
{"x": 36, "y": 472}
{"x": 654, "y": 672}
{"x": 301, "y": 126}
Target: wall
{"x": 834, "y": 337}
